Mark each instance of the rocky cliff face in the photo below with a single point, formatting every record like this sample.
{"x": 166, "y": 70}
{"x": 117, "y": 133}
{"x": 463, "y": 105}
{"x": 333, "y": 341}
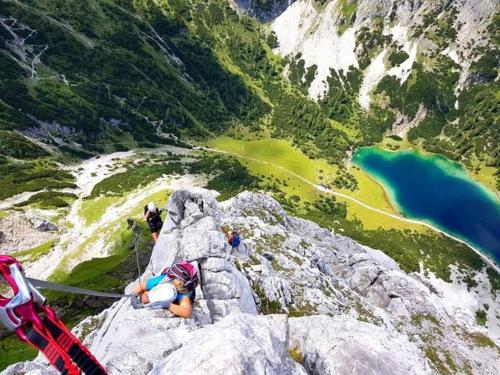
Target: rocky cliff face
{"x": 331, "y": 35}
{"x": 292, "y": 299}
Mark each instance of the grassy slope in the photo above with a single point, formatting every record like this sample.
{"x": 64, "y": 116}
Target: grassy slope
{"x": 269, "y": 153}
{"x": 110, "y": 232}
{"x": 35, "y": 253}
{"x": 105, "y": 274}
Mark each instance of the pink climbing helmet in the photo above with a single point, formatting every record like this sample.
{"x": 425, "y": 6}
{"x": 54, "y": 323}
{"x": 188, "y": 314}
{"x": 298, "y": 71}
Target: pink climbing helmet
{"x": 185, "y": 271}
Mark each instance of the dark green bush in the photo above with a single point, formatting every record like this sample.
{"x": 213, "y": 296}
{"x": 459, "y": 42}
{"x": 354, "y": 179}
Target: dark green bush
{"x": 398, "y": 57}
{"x": 17, "y": 146}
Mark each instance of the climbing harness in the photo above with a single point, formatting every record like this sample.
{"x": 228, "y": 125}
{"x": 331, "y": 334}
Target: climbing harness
{"x": 37, "y": 324}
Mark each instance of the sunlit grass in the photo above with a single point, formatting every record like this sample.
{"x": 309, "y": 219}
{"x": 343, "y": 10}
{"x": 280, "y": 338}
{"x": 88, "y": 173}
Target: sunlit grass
{"x": 35, "y": 253}
{"x": 266, "y": 157}
{"x": 92, "y": 209}
{"x": 110, "y": 232}
{"x": 369, "y": 191}
{"x": 277, "y": 152}
{"x": 352, "y": 133}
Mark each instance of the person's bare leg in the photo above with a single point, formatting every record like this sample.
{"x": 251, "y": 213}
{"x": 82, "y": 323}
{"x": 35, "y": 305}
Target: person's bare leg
{"x": 140, "y": 288}
{"x": 155, "y": 236}
{"x": 145, "y": 297}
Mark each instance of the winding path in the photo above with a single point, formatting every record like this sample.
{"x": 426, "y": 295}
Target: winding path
{"x": 357, "y": 201}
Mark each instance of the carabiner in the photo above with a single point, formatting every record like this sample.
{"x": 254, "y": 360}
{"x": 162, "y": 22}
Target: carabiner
{"x": 20, "y": 310}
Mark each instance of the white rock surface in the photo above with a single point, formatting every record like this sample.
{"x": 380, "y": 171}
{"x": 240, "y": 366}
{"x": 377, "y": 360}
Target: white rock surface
{"x": 343, "y": 345}
{"x": 314, "y": 271}
{"x": 17, "y": 232}
{"x": 302, "y": 28}
{"x": 366, "y": 316}
{"x": 314, "y": 31}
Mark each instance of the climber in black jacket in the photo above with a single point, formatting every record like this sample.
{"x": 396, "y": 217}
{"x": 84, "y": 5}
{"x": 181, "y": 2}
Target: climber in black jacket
{"x": 153, "y": 216}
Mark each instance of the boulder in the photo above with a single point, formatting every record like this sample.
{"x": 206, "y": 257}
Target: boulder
{"x": 43, "y": 225}
{"x": 343, "y": 345}
{"x": 238, "y": 344}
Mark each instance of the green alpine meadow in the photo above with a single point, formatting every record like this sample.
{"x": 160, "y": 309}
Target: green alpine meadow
{"x": 297, "y": 172}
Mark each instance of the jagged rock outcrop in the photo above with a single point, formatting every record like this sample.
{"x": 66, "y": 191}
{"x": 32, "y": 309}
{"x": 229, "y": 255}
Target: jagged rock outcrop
{"x": 192, "y": 231}
{"x": 326, "y": 35}
{"x": 367, "y": 316}
{"x": 343, "y": 345}
{"x": 43, "y": 225}
{"x": 314, "y": 271}
{"x": 265, "y": 10}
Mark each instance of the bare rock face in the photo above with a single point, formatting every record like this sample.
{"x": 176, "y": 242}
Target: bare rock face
{"x": 43, "y": 225}
{"x": 238, "y": 344}
{"x": 145, "y": 341}
{"x": 19, "y": 232}
{"x": 326, "y": 35}
{"x": 192, "y": 231}
{"x": 330, "y": 305}
{"x": 343, "y": 345}
{"x": 296, "y": 267}
{"x": 265, "y": 10}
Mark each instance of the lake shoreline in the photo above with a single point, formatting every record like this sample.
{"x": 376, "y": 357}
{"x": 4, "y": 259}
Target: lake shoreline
{"x": 486, "y": 183}
{"x": 490, "y": 261}
{"x": 375, "y": 176}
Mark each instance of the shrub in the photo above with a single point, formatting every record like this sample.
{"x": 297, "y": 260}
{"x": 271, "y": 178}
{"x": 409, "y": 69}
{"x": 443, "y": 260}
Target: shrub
{"x": 398, "y": 57}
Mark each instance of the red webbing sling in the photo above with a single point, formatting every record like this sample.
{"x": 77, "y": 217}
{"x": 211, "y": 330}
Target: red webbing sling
{"x": 37, "y": 324}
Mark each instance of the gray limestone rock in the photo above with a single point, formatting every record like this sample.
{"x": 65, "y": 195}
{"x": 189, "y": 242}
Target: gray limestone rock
{"x": 238, "y": 344}
{"x": 343, "y": 345}
{"x": 359, "y": 312}
{"x": 192, "y": 231}
{"x": 44, "y": 225}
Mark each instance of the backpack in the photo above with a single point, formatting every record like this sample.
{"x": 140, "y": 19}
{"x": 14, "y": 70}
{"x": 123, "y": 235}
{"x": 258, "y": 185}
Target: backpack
{"x": 235, "y": 239}
{"x": 185, "y": 271}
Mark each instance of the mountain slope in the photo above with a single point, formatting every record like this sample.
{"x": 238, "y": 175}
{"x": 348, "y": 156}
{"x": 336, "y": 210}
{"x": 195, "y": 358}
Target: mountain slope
{"x": 324, "y": 77}
{"x": 119, "y": 74}
{"x": 80, "y": 71}
{"x": 349, "y": 308}
{"x": 421, "y": 69}
{"x": 81, "y": 79}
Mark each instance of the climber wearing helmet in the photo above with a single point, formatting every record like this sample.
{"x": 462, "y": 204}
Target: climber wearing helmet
{"x": 153, "y": 216}
{"x": 173, "y": 289}
{"x": 233, "y": 237}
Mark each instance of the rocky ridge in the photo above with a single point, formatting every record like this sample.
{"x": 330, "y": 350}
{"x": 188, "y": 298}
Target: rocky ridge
{"x": 294, "y": 298}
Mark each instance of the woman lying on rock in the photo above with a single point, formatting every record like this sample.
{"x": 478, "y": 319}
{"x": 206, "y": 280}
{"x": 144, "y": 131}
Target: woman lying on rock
{"x": 173, "y": 289}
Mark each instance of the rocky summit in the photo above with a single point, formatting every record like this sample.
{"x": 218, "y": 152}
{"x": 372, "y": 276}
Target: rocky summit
{"x": 293, "y": 298}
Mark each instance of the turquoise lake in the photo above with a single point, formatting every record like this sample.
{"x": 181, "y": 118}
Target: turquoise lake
{"x": 438, "y": 191}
